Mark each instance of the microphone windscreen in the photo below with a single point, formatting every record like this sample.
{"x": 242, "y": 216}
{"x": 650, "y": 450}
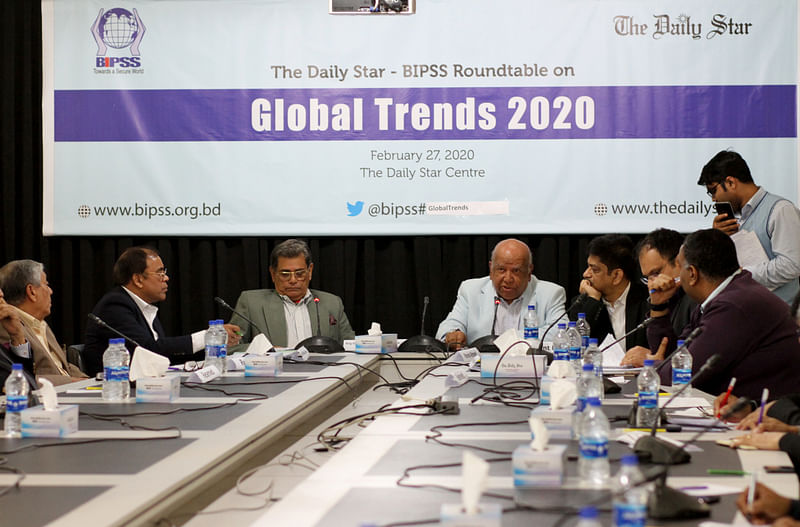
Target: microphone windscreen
{"x": 713, "y": 360}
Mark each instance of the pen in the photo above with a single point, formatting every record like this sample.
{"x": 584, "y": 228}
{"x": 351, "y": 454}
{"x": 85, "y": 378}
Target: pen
{"x": 726, "y": 472}
{"x": 625, "y": 430}
{"x": 727, "y": 395}
{"x": 677, "y": 281}
{"x": 751, "y": 492}
{"x": 764, "y": 396}
{"x": 703, "y": 487}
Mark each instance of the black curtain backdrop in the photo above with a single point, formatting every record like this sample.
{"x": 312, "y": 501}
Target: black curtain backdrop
{"x": 380, "y": 278}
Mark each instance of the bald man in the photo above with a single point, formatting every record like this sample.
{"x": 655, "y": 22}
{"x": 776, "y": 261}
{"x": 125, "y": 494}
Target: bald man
{"x": 511, "y": 281}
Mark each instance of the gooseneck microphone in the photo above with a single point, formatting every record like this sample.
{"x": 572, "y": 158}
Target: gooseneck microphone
{"x": 693, "y": 335}
{"x": 99, "y": 321}
{"x": 646, "y": 322}
{"x": 319, "y": 327}
{"x": 423, "y": 343}
{"x": 319, "y": 343}
{"x": 494, "y": 319}
{"x": 227, "y": 306}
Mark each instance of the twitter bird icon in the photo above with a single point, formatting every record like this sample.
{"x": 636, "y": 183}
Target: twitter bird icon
{"x": 354, "y": 209}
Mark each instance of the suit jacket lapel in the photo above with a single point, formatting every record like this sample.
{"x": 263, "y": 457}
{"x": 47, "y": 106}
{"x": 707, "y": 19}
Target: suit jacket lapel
{"x": 57, "y": 351}
{"x": 274, "y": 319}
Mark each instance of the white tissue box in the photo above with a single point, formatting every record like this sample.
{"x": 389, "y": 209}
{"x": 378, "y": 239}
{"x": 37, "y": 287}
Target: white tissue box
{"x": 370, "y": 343}
{"x": 539, "y": 469}
{"x": 388, "y": 342}
{"x": 270, "y": 365}
{"x": 544, "y": 390}
{"x": 38, "y": 422}
{"x": 512, "y": 366}
{"x": 488, "y": 515}
{"x": 158, "y": 389}
{"x": 558, "y": 422}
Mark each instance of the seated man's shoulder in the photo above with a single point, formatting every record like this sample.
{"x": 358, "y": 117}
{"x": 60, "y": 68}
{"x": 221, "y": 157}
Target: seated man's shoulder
{"x": 324, "y": 296}
{"x": 254, "y": 293}
{"x": 549, "y": 288}
{"x": 474, "y": 284}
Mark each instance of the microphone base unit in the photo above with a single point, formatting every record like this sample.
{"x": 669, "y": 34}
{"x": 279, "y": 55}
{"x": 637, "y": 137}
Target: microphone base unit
{"x": 485, "y": 344}
{"x": 320, "y": 344}
{"x": 651, "y": 449}
{"x": 666, "y": 503}
{"x": 610, "y": 386}
{"x": 423, "y": 344}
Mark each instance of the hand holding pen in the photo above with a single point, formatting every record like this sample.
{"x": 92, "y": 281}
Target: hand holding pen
{"x": 725, "y": 397}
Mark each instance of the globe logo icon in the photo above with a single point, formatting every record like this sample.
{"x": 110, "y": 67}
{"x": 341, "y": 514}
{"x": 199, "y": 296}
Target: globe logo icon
{"x": 118, "y": 28}
{"x": 84, "y": 211}
{"x": 600, "y": 209}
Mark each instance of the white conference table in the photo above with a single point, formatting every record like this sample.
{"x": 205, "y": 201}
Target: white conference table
{"x": 134, "y": 483}
{"x": 359, "y": 484}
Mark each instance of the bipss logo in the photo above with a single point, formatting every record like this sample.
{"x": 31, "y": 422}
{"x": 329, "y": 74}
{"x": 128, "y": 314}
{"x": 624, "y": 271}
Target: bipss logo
{"x": 118, "y": 29}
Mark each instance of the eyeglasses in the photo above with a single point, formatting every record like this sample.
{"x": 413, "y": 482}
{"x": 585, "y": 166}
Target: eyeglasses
{"x": 161, "y": 273}
{"x": 299, "y": 274}
{"x": 712, "y": 190}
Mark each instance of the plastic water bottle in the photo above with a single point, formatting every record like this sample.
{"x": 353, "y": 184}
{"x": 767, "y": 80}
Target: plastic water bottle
{"x": 116, "y": 359}
{"x": 216, "y": 345}
{"x": 593, "y": 356}
{"x": 648, "y": 384}
{"x": 584, "y": 329}
{"x": 630, "y": 499}
{"x": 593, "y": 466}
{"x": 560, "y": 343}
{"x": 531, "y": 327}
{"x": 588, "y": 517}
{"x": 682, "y": 370}
{"x": 17, "y": 389}
{"x": 574, "y": 343}
{"x": 588, "y": 385}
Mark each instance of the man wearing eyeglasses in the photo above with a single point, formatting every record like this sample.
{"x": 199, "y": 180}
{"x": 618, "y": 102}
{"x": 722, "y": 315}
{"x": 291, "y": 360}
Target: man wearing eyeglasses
{"x": 142, "y": 282}
{"x": 291, "y": 312}
{"x": 658, "y": 252}
{"x": 774, "y": 220}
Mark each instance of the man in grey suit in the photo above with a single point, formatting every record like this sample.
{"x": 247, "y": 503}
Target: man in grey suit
{"x": 291, "y": 312}
{"x": 508, "y": 291}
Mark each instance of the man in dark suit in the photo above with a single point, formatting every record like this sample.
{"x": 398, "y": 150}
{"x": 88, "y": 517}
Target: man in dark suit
{"x": 141, "y": 280}
{"x": 614, "y": 301}
{"x": 291, "y": 312}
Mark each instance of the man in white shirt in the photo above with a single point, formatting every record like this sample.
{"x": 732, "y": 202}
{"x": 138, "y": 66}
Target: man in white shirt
{"x": 142, "y": 281}
{"x": 774, "y": 220}
{"x": 614, "y": 301}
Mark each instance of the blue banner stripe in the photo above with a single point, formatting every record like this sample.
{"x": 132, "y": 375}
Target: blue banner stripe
{"x": 606, "y": 112}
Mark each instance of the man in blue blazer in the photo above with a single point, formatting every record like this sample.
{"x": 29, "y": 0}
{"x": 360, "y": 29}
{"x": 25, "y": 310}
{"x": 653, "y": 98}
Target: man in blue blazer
{"x": 291, "y": 312}
{"x": 511, "y": 282}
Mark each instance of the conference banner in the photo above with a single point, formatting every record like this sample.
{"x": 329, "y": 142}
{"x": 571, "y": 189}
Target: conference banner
{"x": 400, "y": 117}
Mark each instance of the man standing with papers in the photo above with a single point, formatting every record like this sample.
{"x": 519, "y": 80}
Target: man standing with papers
{"x": 773, "y": 221}
{"x": 742, "y": 321}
